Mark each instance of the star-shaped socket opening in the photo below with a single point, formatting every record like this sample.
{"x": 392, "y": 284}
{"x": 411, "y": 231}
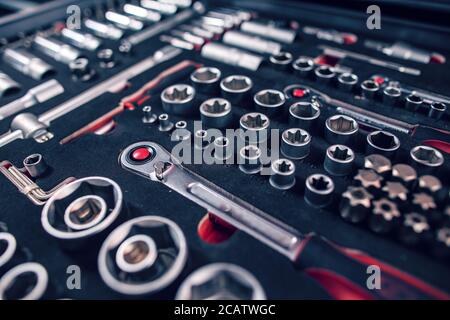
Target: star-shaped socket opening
{"x": 177, "y": 94}
{"x": 296, "y": 136}
{"x": 269, "y": 97}
{"x": 237, "y": 83}
{"x": 320, "y": 183}
{"x": 428, "y": 155}
{"x": 342, "y": 124}
{"x": 284, "y": 166}
{"x": 395, "y": 191}
{"x": 378, "y": 163}
{"x": 417, "y": 222}
{"x": 223, "y": 286}
{"x": 217, "y": 106}
{"x": 384, "y": 140}
{"x": 386, "y": 208}
{"x": 305, "y": 110}
{"x": 424, "y": 201}
{"x": 251, "y": 152}
{"x": 254, "y": 121}
{"x": 341, "y": 153}
{"x": 205, "y": 75}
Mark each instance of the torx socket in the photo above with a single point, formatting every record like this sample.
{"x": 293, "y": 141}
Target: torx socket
{"x": 281, "y": 61}
{"x": 369, "y": 89}
{"x": 252, "y": 43}
{"x": 437, "y": 110}
{"x": 378, "y": 163}
{"x": 250, "y": 159}
{"x": 216, "y": 113}
{"x": 426, "y": 158}
{"x": 341, "y": 129}
{"x": 295, "y": 143}
{"x": 303, "y": 67}
{"x": 206, "y": 80}
{"x": 391, "y": 95}
{"x": 347, "y": 81}
{"x": 319, "y": 190}
{"x": 27, "y": 63}
{"x": 384, "y": 216}
{"x": 179, "y": 99}
{"x": 283, "y": 174}
{"x": 324, "y": 74}
{"x": 339, "y": 160}
{"x": 270, "y": 102}
{"x": 222, "y": 149}
{"x": 57, "y": 50}
{"x": 231, "y": 56}
{"x": 237, "y": 89}
{"x": 413, "y": 102}
{"x": 254, "y": 128}
{"x": 304, "y": 114}
{"x": 382, "y": 142}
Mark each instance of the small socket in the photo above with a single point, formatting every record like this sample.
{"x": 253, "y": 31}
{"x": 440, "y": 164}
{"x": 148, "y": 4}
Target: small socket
{"x": 413, "y": 102}
{"x": 324, "y": 74}
{"x": 281, "y": 61}
{"x": 254, "y": 127}
{"x": 347, "y": 81}
{"x": 283, "y": 174}
{"x": 303, "y": 67}
{"x": 339, "y": 160}
{"x": 250, "y": 159}
{"x": 148, "y": 115}
{"x": 222, "y": 149}
{"x": 319, "y": 190}
{"x": 369, "y": 89}
{"x": 201, "y": 139}
{"x": 206, "y": 80}
{"x": 437, "y": 110}
{"x": 295, "y": 143}
{"x": 165, "y": 124}
{"x": 391, "y": 95}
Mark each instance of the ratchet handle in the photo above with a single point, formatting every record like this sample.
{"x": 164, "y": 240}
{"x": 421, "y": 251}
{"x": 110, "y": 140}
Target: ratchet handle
{"x": 348, "y": 274}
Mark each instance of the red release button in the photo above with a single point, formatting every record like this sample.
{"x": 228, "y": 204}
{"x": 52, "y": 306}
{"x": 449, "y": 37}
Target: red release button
{"x": 140, "y": 154}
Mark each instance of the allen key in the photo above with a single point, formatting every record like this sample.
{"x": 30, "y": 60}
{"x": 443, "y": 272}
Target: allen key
{"x": 310, "y": 251}
{"x": 25, "y": 185}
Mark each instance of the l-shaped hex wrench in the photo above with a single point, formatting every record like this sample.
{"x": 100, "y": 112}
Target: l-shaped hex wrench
{"x": 342, "y": 272}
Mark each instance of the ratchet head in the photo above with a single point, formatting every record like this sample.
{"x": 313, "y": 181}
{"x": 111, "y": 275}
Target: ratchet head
{"x": 147, "y": 159}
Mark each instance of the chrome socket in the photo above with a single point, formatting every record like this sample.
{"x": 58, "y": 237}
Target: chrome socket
{"x": 347, "y": 81}
{"x": 222, "y": 149}
{"x": 57, "y": 50}
{"x": 231, "y": 56}
{"x": 106, "y": 58}
{"x": 163, "y": 8}
{"x": 303, "y": 67}
{"x": 254, "y": 128}
{"x": 104, "y": 30}
{"x": 237, "y": 89}
{"x": 84, "y": 41}
{"x": 143, "y": 256}
{"x": 304, "y": 114}
{"x": 413, "y": 102}
{"x": 382, "y": 142}
{"x": 339, "y": 160}
{"x": 181, "y": 132}
{"x": 270, "y": 102}
{"x": 81, "y": 70}
{"x": 82, "y": 211}
{"x": 269, "y": 31}
{"x": 295, "y": 143}
{"x": 250, "y": 159}
{"x": 369, "y": 89}
{"x": 206, "y": 80}
{"x": 220, "y": 281}
{"x": 141, "y": 13}
{"x": 324, "y": 74}
{"x": 283, "y": 174}
{"x": 391, "y": 95}
{"x": 426, "y": 158}
{"x": 201, "y": 139}
{"x": 35, "y": 165}
{"x": 216, "y": 113}
{"x": 7, "y": 85}
{"x": 26, "y": 281}
{"x": 148, "y": 115}
{"x": 319, "y": 190}
{"x": 281, "y": 61}
{"x": 179, "y": 99}
{"x": 165, "y": 125}
{"x": 27, "y": 63}
{"x": 437, "y": 110}
{"x": 251, "y": 43}
{"x": 341, "y": 129}
{"x": 124, "y": 21}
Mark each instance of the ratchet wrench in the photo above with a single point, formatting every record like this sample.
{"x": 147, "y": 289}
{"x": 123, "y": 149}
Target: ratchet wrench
{"x": 342, "y": 272}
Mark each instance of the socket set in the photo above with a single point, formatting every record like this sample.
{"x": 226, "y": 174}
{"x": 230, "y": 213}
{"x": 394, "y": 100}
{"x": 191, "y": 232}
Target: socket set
{"x": 179, "y": 149}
